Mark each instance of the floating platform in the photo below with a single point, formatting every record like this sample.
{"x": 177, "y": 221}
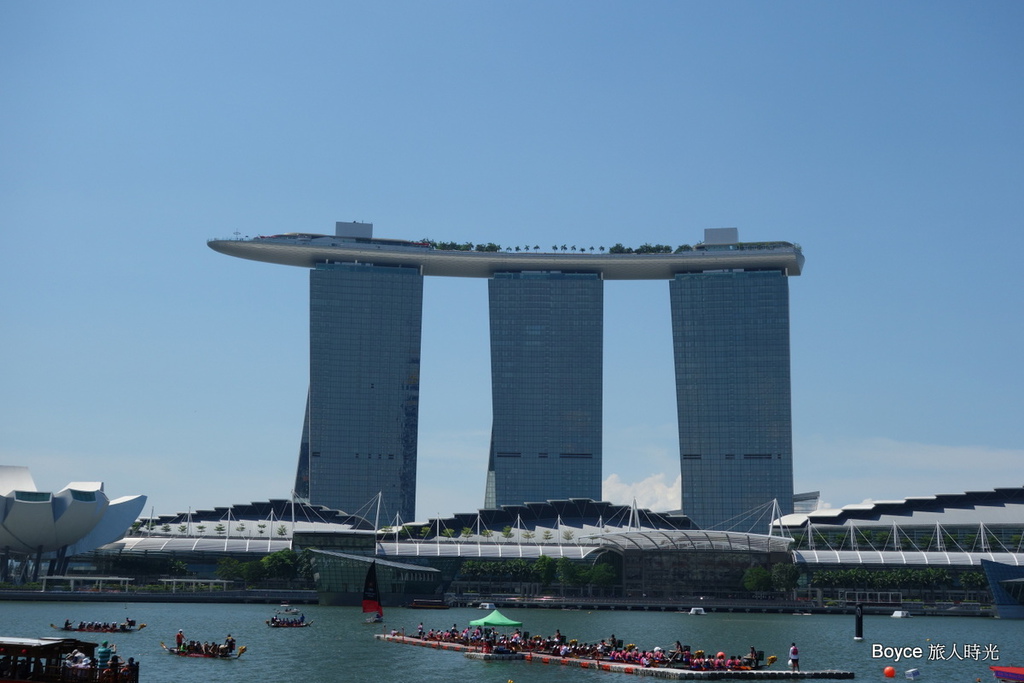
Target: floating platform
{"x": 665, "y": 673}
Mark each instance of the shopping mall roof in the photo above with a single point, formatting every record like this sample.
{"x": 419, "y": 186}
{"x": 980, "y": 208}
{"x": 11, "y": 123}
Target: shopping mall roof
{"x": 998, "y": 506}
{"x": 692, "y": 540}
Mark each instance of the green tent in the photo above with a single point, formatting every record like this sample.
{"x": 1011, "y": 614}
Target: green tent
{"x": 495, "y": 618}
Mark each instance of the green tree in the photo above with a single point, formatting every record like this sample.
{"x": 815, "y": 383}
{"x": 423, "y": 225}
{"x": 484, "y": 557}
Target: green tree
{"x": 757, "y": 579}
{"x": 520, "y": 571}
{"x": 568, "y": 573}
{"x": 471, "y": 569}
{"x": 544, "y": 570}
{"x": 784, "y": 576}
{"x": 253, "y": 572}
{"x": 281, "y": 565}
{"x": 973, "y": 580}
{"x": 228, "y": 569}
{"x": 601, "y": 575}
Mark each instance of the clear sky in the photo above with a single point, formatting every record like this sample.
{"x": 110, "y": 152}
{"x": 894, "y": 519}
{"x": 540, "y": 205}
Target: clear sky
{"x": 884, "y": 138}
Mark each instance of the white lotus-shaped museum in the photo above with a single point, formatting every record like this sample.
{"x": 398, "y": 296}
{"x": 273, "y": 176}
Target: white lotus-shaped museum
{"x": 76, "y": 519}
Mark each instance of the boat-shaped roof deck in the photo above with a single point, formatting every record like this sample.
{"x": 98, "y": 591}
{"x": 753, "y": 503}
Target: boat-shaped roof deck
{"x": 307, "y": 250}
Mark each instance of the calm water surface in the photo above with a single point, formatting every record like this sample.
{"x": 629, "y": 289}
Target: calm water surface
{"x": 339, "y": 647}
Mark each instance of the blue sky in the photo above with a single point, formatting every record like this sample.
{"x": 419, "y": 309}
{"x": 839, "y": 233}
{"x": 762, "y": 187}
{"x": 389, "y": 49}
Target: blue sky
{"x": 884, "y": 138}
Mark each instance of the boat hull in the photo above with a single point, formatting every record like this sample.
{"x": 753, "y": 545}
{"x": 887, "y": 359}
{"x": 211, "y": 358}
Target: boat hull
{"x": 1008, "y": 673}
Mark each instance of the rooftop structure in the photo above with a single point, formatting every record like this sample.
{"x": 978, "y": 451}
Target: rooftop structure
{"x": 943, "y": 530}
{"x": 306, "y": 250}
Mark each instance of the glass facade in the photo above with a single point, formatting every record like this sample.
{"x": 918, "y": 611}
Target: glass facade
{"x": 730, "y": 334}
{"x": 360, "y": 432}
{"x": 340, "y": 578}
{"x": 546, "y": 387}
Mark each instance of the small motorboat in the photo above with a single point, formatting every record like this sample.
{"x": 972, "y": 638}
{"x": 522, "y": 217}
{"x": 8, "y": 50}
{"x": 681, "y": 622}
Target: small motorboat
{"x": 901, "y": 614}
{"x": 486, "y": 605}
{"x": 697, "y": 610}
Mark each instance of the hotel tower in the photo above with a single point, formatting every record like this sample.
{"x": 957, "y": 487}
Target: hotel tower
{"x": 730, "y": 328}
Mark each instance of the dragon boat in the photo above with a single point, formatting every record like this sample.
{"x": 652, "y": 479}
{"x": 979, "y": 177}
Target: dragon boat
{"x": 204, "y": 655}
{"x": 128, "y": 626}
{"x": 287, "y": 623}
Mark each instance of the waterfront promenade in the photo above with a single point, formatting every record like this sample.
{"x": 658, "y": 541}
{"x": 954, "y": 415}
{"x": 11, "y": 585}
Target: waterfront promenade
{"x": 239, "y": 597}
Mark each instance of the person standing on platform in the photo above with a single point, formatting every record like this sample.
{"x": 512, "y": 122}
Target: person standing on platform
{"x": 103, "y": 653}
{"x": 794, "y": 657}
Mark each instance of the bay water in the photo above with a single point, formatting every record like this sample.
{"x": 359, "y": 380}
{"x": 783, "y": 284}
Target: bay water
{"x": 339, "y": 646}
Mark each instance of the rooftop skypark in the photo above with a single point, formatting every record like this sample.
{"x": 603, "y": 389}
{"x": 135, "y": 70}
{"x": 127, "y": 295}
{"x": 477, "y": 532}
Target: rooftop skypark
{"x": 646, "y": 262}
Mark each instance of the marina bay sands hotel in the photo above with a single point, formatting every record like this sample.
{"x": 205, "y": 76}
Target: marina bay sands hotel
{"x": 729, "y": 304}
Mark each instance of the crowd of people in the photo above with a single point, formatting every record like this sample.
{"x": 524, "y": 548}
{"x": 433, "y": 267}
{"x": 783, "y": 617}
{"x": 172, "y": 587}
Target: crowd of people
{"x": 101, "y": 626}
{"x": 205, "y": 648}
{"x": 611, "y": 649}
{"x": 287, "y": 621}
{"x": 107, "y": 662}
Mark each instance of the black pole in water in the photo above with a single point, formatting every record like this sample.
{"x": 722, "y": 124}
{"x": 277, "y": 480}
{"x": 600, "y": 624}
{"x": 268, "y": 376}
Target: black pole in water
{"x": 858, "y": 631}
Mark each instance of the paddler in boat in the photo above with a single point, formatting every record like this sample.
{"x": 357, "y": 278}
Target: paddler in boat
{"x": 230, "y": 643}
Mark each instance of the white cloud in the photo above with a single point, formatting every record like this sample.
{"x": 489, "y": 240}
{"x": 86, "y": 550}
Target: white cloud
{"x": 651, "y": 493}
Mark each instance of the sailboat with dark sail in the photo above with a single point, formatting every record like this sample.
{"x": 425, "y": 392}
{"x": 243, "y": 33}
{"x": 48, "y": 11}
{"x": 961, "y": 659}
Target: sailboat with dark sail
{"x": 371, "y": 596}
